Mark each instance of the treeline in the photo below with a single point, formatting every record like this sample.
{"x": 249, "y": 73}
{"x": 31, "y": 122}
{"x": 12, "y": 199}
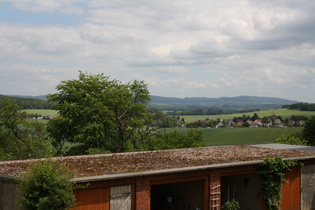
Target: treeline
{"x": 200, "y": 111}
{"x": 300, "y": 106}
{"x": 210, "y": 111}
{"x": 28, "y": 103}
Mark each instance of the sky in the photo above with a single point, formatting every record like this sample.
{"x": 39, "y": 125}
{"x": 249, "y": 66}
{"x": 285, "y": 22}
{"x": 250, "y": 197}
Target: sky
{"x": 190, "y": 48}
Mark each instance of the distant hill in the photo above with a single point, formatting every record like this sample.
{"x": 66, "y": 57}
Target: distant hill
{"x": 173, "y": 103}
{"x": 219, "y": 101}
{"x": 28, "y": 102}
{"x": 239, "y": 102}
{"x": 41, "y": 97}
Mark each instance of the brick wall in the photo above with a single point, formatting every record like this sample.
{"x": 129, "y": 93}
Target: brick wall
{"x": 142, "y": 194}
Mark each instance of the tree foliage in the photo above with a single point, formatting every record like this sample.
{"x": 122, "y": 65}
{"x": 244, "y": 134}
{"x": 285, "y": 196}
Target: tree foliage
{"x": 300, "y": 106}
{"x": 27, "y": 103}
{"x": 97, "y": 112}
{"x": 294, "y": 138}
{"x": 19, "y": 137}
{"x": 47, "y": 186}
{"x": 309, "y": 131}
{"x": 175, "y": 139}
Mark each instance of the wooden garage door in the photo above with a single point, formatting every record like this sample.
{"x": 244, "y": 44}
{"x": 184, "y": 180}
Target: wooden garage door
{"x": 92, "y": 199}
{"x": 291, "y": 199}
{"x": 120, "y": 197}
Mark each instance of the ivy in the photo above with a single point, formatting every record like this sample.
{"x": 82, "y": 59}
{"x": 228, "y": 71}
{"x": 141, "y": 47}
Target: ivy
{"x": 272, "y": 174}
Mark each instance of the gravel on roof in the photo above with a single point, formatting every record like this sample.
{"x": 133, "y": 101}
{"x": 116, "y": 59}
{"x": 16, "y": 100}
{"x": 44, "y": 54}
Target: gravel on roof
{"x": 119, "y": 163}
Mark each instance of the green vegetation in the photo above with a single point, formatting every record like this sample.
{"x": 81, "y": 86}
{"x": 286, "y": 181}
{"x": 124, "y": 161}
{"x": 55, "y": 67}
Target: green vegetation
{"x": 175, "y": 139}
{"x": 301, "y": 106}
{"x": 47, "y": 186}
{"x": 238, "y": 136}
{"x": 27, "y": 103}
{"x": 21, "y": 138}
{"x": 272, "y": 172}
{"x": 100, "y": 113}
{"x": 303, "y": 137}
{"x": 42, "y": 112}
{"x": 284, "y": 113}
{"x": 309, "y": 131}
{"x": 294, "y": 138}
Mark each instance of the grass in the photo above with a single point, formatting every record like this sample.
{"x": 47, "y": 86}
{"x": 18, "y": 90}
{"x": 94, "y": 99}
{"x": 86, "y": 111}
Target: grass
{"x": 43, "y": 112}
{"x": 239, "y": 136}
{"x": 284, "y": 113}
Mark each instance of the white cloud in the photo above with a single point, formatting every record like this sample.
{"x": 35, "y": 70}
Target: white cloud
{"x": 203, "y": 48}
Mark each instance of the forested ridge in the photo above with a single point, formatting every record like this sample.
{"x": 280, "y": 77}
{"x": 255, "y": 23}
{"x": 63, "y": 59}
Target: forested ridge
{"x": 28, "y": 103}
{"x": 189, "y": 106}
{"x": 300, "y": 106}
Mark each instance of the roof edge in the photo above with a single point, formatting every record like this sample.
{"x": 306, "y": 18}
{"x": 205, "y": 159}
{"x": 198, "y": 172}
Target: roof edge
{"x": 176, "y": 170}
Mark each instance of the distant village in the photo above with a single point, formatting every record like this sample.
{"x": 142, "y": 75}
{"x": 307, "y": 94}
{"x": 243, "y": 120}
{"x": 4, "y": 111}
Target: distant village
{"x": 267, "y": 121}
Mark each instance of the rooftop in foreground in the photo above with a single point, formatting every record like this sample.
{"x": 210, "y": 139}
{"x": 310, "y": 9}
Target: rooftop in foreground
{"x": 135, "y": 162}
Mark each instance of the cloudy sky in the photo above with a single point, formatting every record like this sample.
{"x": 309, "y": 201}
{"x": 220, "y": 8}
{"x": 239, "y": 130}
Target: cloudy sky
{"x": 190, "y": 48}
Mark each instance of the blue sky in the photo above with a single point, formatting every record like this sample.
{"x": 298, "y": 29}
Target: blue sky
{"x": 179, "y": 48}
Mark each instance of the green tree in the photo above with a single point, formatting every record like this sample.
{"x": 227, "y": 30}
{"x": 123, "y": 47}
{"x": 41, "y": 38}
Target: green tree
{"x": 175, "y": 139}
{"x": 47, "y": 186}
{"x": 20, "y": 138}
{"x": 295, "y": 139}
{"x": 255, "y": 117}
{"x": 97, "y": 112}
{"x": 309, "y": 131}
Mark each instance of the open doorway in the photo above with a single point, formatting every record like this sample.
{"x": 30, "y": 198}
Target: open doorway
{"x": 178, "y": 195}
{"x": 244, "y": 188}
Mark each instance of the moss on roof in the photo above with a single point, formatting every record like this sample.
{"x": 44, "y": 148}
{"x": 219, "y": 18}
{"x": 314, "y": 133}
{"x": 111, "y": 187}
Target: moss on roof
{"x": 119, "y": 163}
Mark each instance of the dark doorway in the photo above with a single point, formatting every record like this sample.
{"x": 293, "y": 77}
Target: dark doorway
{"x": 244, "y": 188}
{"x": 179, "y": 195}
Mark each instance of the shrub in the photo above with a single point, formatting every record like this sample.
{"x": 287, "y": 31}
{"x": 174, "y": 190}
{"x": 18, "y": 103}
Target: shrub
{"x": 47, "y": 186}
{"x": 295, "y": 139}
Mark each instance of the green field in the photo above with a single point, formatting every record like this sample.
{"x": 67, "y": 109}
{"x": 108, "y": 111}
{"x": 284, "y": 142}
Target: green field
{"x": 284, "y": 113}
{"x": 43, "y": 112}
{"x": 230, "y": 136}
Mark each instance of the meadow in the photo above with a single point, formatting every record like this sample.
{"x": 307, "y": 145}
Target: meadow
{"x": 239, "y": 136}
{"x": 43, "y": 112}
{"x": 284, "y": 113}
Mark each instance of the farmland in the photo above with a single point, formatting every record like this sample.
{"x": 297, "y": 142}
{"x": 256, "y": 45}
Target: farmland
{"x": 42, "y": 112}
{"x": 235, "y": 136}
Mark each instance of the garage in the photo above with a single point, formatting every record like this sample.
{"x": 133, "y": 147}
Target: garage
{"x": 178, "y": 195}
{"x": 244, "y": 188}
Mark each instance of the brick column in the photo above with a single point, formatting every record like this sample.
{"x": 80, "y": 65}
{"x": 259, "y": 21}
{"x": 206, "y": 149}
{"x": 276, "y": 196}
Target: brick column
{"x": 142, "y": 194}
{"x": 215, "y": 191}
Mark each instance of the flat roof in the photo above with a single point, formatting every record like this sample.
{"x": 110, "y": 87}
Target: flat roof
{"x": 153, "y": 162}
{"x": 286, "y": 146}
